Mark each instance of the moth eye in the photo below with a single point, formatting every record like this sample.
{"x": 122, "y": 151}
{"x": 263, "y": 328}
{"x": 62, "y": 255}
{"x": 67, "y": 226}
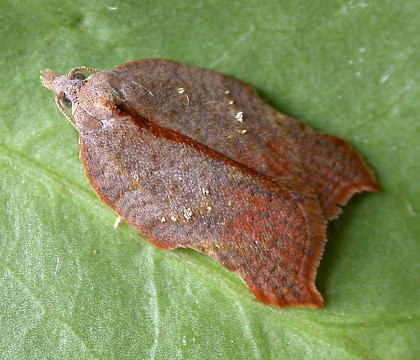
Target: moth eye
{"x": 79, "y": 76}
{"x": 65, "y": 101}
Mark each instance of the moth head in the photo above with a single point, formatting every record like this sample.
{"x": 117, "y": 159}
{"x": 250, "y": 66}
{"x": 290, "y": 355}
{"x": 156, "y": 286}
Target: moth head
{"x": 65, "y": 86}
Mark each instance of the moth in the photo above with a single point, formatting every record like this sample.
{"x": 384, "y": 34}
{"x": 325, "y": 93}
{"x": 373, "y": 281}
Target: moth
{"x": 195, "y": 159}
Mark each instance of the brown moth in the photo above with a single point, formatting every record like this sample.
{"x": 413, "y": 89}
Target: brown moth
{"x": 195, "y": 159}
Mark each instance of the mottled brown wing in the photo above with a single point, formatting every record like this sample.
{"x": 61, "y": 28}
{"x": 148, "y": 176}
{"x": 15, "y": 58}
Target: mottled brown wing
{"x": 228, "y": 116}
{"x": 179, "y": 193}
{"x": 331, "y": 167}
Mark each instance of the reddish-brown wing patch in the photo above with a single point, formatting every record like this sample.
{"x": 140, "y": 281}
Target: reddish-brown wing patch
{"x": 179, "y": 193}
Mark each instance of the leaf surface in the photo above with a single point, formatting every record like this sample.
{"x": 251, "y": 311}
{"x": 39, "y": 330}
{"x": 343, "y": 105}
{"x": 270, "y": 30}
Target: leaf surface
{"x": 73, "y": 287}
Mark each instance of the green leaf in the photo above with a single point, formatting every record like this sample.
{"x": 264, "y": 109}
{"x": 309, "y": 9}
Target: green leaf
{"x": 72, "y": 287}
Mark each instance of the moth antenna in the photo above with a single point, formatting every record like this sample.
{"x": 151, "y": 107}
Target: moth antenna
{"x": 71, "y": 73}
{"x": 60, "y": 107}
